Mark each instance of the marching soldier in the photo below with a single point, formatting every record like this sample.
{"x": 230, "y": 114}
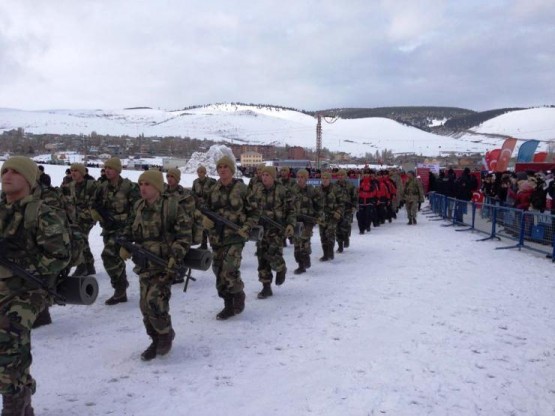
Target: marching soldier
{"x": 350, "y": 202}
{"x": 412, "y": 195}
{"x": 275, "y": 203}
{"x": 43, "y": 250}
{"x": 201, "y": 188}
{"x": 229, "y": 198}
{"x": 285, "y": 180}
{"x": 152, "y": 227}
{"x": 308, "y": 205}
{"x": 114, "y": 200}
{"x": 332, "y": 211}
{"x": 82, "y": 192}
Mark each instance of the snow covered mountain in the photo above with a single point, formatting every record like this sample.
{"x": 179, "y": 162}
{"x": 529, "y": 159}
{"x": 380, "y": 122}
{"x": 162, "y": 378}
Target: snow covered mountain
{"x": 251, "y": 124}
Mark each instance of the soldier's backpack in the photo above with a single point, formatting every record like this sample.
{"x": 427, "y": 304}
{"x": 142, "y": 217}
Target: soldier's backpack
{"x": 76, "y": 238}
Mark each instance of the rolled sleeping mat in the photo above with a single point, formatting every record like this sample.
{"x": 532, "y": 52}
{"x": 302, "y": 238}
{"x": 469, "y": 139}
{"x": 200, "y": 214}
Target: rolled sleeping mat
{"x": 79, "y": 290}
{"x": 198, "y": 259}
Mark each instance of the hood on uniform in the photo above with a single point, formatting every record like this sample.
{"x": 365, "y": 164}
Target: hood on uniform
{"x": 226, "y": 160}
{"x": 270, "y": 170}
{"x": 79, "y": 167}
{"x": 153, "y": 177}
{"x": 113, "y": 163}
{"x": 176, "y": 173}
{"x": 24, "y": 166}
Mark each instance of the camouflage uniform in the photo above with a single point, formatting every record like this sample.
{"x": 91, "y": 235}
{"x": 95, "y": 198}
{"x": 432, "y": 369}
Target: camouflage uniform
{"x": 350, "y": 202}
{"x": 275, "y": 203}
{"x": 201, "y": 188}
{"x": 332, "y": 211}
{"x": 412, "y": 195}
{"x": 308, "y": 202}
{"x": 188, "y": 201}
{"x": 234, "y": 203}
{"x": 43, "y": 251}
{"x": 151, "y": 228}
{"x": 117, "y": 200}
{"x": 81, "y": 198}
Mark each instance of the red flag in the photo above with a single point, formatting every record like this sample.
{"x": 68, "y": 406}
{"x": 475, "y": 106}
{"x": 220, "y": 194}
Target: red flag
{"x": 540, "y": 157}
{"x": 505, "y": 155}
{"x": 491, "y": 159}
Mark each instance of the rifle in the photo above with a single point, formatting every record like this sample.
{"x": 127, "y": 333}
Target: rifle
{"x": 111, "y": 222}
{"x": 194, "y": 259}
{"x": 19, "y": 271}
{"x": 299, "y": 227}
{"x": 256, "y": 233}
{"x": 307, "y": 218}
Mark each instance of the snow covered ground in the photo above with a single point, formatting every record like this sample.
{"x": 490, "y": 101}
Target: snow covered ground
{"x": 410, "y": 320}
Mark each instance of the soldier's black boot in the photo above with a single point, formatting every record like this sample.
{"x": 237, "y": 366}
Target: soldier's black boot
{"x": 330, "y": 251}
{"x": 300, "y": 269}
{"x": 346, "y": 243}
{"x": 18, "y": 404}
{"x": 43, "y": 318}
{"x": 340, "y": 246}
{"x": 228, "y": 311}
{"x": 80, "y": 270}
{"x": 266, "y": 291}
{"x": 414, "y": 221}
{"x": 306, "y": 261}
{"x": 150, "y": 352}
{"x": 325, "y": 257}
{"x": 165, "y": 341}
{"x": 239, "y": 302}
{"x": 410, "y": 221}
{"x": 280, "y": 277}
{"x": 120, "y": 294}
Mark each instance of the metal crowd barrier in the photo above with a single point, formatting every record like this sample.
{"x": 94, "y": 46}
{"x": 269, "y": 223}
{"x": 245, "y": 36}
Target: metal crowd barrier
{"x": 532, "y": 230}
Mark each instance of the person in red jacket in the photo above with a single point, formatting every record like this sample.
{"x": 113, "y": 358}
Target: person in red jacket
{"x": 367, "y": 199}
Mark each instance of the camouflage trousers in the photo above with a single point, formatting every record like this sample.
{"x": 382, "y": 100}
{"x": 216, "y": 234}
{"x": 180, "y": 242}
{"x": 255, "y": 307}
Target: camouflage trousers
{"x": 269, "y": 252}
{"x": 327, "y": 234}
{"x": 114, "y": 265}
{"x": 85, "y": 229}
{"x": 18, "y": 312}
{"x": 412, "y": 208}
{"x": 225, "y": 265}
{"x": 154, "y": 302}
{"x": 343, "y": 230}
{"x": 303, "y": 247}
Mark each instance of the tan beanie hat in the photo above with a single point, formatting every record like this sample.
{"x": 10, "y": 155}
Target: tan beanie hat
{"x": 176, "y": 173}
{"x": 154, "y": 178}
{"x": 284, "y": 169}
{"x": 341, "y": 172}
{"x": 79, "y": 167}
{"x": 113, "y": 163}
{"x": 226, "y": 160}
{"x": 24, "y": 166}
{"x": 302, "y": 172}
{"x": 326, "y": 175}
{"x": 270, "y": 170}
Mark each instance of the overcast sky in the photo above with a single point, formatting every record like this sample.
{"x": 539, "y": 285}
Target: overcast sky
{"x": 308, "y": 55}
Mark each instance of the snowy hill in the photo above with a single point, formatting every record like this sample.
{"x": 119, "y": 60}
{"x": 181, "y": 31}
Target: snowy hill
{"x": 250, "y": 124}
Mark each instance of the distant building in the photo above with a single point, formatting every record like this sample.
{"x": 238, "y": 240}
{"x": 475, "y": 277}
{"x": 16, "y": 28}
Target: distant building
{"x": 296, "y": 153}
{"x": 251, "y": 159}
{"x": 173, "y": 162}
{"x": 267, "y": 151}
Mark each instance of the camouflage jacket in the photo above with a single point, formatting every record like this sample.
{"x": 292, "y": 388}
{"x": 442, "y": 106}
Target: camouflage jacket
{"x": 42, "y": 249}
{"x": 413, "y": 191}
{"x": 202, "y": 188}
{"x": 275, "y": 203}
{"x": 159, "y": 231}
{"x": 81, "y": 197}
{"x": 116, "y": 200}
{"x": 349, "y": 193}
{"x": 189, "y": 203}
{"x": 235, "y": 203}
{"x": 307, "y": 200}
{"x": 332, "y": 202}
